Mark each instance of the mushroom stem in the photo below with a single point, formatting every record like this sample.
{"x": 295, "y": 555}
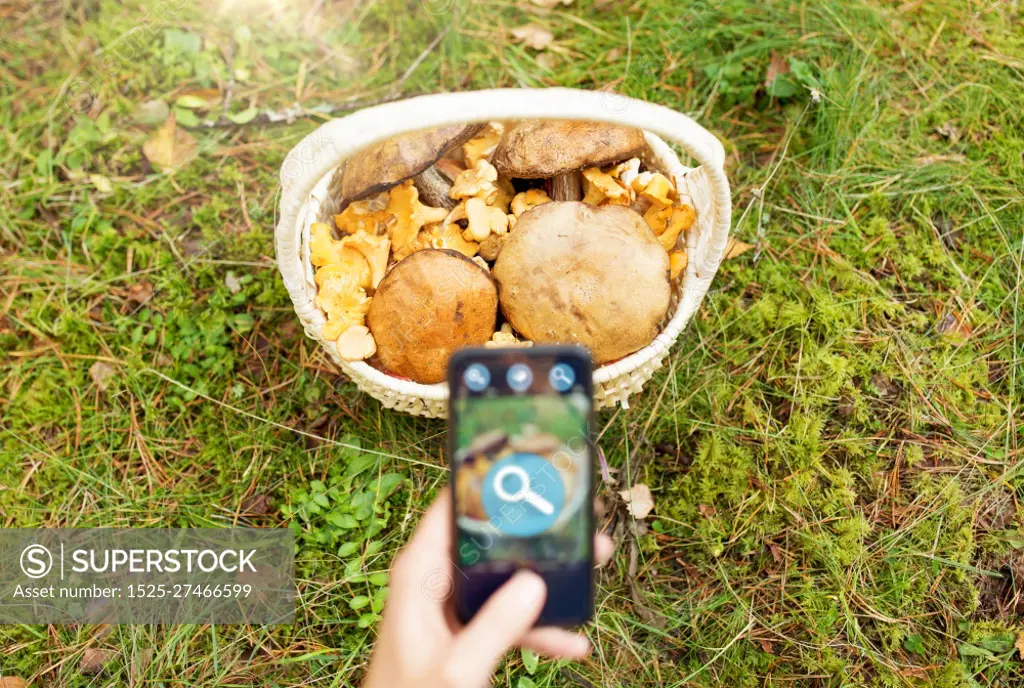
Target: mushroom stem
{"x": 434, "y": 187}
{"x": 567, "y": 186}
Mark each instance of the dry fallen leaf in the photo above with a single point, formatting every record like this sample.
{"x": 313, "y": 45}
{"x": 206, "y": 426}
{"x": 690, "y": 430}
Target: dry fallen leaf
{"x": 932, "y": 159}
{"x": 639, "y": 500}
{"x": 170, "y": 148}
{"x": 735, "y": 248}
{"x": 778, "y": 65}
{"x": 210, "y": 96}
{"x": 547, "y": 60}
{"x": 100, "y": 372}
{"x": 950, "y": 131}
{"x": 139, "y": 292}
{"x": 93, "y": 660}
{"x": 140, "y": 662}
{"x": 955, "y": 327}
{"x": 233, "y": 284}
{"x": 1020, "y": 644}
{"x": 13, "y": 682}
{"x": 533, "y": 36}
{"x": 548, "y": 4}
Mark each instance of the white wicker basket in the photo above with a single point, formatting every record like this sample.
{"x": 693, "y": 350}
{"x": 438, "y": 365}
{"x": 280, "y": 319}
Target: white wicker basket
{"x": 308, "y": 168}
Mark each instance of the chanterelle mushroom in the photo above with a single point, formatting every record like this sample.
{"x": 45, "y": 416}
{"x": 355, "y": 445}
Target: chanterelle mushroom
{"x": 341, "y": 294}
{"x": 326, "y": 250}
{"x": 559, "y": 149}
{"x": 410, "y": 217}
{"x": 430, "y": 305}
{"x": 391, "y": 162}
{"x": 574, "y": 273}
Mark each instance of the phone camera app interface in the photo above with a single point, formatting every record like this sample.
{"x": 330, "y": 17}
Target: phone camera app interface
{"x": 522, "y": 470}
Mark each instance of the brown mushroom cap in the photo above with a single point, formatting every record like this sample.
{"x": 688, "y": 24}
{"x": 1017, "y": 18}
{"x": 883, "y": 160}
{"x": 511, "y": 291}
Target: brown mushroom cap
{"x": 573, "y": 273}
{"x": 427, "y": 307}
{"x": 392, "y": 161}
{"x": 545, "y": 148}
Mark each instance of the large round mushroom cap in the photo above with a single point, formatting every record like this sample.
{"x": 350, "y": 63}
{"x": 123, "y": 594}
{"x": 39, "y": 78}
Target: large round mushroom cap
{"x": 573, "y": 273}
{"x": 545, "y": 148}
{"x": 392, "y": 161}
{"x": 427, "y": 307}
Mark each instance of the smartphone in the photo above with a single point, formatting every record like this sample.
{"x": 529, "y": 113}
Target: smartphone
{"x": 522, "y": 476}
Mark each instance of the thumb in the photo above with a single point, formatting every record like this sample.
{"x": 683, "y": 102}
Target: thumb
{"x": 499, "y": 625}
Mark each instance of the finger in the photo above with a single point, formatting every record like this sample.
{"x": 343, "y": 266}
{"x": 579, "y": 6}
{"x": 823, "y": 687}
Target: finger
{"x": 425, "y": 565}
{"x": 433, "y": 534}
{"x": 603, "y": 549}
{"x": 500, "y": 623}
{"x": 557, "y": 643}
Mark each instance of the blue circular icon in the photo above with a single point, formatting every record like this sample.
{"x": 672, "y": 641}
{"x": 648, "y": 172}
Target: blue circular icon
{"x": 523, "y": 495}
{"x": 477, "y": 377}
{"x": 561, "y": 377}
{"x": 519, "y": 377}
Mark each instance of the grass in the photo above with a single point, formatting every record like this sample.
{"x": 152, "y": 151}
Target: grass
{"x": 835, "y": 447}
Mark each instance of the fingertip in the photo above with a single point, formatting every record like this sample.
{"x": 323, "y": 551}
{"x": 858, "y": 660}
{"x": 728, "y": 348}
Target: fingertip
{"x": 603, "y": 549}
{"x": 577, "y": 646}
{"x": 527, "y": 587}
{"x": 557, "y": 643}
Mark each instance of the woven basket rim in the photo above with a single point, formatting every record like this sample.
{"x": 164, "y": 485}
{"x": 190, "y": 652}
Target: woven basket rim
{"x": 439, "y": 391}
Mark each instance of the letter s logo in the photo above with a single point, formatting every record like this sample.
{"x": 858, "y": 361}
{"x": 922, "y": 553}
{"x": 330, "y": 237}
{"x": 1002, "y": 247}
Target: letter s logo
{"x": 36, "y": 561}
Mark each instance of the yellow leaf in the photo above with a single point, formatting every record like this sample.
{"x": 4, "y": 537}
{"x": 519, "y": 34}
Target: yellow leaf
{"x": 102, "y": 184}
{"x": 170, "y": 148}
{"x": 735, "y": 248}
{"x": 1020, "y": 644}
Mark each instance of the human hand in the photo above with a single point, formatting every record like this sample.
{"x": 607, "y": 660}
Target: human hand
{"x": 421, "y": 644}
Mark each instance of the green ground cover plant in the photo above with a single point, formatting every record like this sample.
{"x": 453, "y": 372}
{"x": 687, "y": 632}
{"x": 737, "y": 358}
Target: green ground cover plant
{"x": 835, "y": 447}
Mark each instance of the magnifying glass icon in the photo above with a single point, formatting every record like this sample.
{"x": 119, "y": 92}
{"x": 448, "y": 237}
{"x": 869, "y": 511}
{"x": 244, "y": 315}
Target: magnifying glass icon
{"x": 561, "y": 377}
{"x": 524, "y": 493}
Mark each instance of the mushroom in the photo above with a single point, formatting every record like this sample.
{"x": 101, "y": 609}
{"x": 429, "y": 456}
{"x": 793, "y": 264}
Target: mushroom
{"x": 490, "y": 248}
{"x": 442, "y": 235}
{"x": 410, "y": 217}
{"x": 559, "y": 149}
{"x": 481, "y": 181}
{"x": 574, "y": 273}
{"x": 505, "y": 338}
{"x": 368, "y": 215}
{"x": 601, "y": 186}
{"x": 356, "y": 343}
{"x": 483, "y": 220}
{"x": 324, "y": 250}
{"x": 430, "y": 305}
{"x": 391, "y": 162}
{"x": 341, "y": 294}
{"x": 677, "y": 262}
{"x": 482, "y": 144}
{"x": 530, "y": 198}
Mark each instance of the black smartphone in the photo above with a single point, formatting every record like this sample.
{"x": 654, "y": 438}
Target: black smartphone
{"x": 522, "y": 476}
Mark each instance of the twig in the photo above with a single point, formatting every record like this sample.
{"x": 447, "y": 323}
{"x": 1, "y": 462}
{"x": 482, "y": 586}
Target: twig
{"x": 422, "y": 56}
{"x": 229, "y": 86}
{"x": 289, "y": 115}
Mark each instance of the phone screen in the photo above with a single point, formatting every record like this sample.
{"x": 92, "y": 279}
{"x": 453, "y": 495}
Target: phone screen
{"x": 522, "y": 475}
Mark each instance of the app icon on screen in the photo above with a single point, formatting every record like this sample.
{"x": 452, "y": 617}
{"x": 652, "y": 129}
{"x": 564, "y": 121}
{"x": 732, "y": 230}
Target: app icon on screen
{"x": 519, "y": 377}
{"x": 561, "y": 377}
{"x": 523, "y": 495}
{"x": 476, "y": 377}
